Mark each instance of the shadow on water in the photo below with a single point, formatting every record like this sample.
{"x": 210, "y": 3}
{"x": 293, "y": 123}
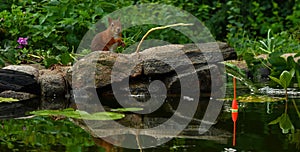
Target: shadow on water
{"x": 18, "y": 109}
{"x": 254, "y": 131}
{"x": 21, "y": 108}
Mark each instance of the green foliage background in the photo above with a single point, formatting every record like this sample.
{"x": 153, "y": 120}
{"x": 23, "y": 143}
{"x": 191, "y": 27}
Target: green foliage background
{"x": 55, "y": 27}
{"x": 44, "y": 134}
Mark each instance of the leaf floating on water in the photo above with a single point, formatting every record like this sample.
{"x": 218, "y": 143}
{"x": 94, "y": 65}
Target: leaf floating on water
{"x": 252, "y": 98}
{"x": 77, "y": 114}
{"x": 103, "y": 116}
{"x": 126, "y": 109}
{"x": 255, "y": 98}
{"x": 9, "y": 100}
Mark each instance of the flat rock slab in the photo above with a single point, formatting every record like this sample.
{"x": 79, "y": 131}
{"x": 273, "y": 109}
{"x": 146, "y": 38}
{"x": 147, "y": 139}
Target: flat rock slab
{"x": 24, "y": 68}
{"x": 18, "y": 81}
{"x": 101, "y": 69}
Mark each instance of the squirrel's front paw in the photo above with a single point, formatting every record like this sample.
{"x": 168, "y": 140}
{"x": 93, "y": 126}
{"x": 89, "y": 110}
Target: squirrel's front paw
{"x": 121, "y": 44}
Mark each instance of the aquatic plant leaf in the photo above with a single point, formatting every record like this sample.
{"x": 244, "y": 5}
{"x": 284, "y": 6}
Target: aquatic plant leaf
{"x": 275, "y": 79}
{"x": 126, "y": 109}
{"x": 255, "y": 98}
{"x": 276, "y": 121}
{"x": 294, "y": 138}
{"x": 77, "y": 114}
{"x": 284, "y": 123}
{"x": 286, "y": 77}
{"x": 106, "y": 116}
{"x": 43, "y": 112}
{"x": 66, "y": 112}
{"x": 8, "y": 100}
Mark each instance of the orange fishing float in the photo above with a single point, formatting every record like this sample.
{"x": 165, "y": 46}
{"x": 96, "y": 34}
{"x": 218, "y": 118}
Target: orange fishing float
{"x": 234, "y": 111}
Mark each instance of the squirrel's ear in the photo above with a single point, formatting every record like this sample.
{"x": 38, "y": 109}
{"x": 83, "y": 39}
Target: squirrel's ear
{"x": 109, "y": 20}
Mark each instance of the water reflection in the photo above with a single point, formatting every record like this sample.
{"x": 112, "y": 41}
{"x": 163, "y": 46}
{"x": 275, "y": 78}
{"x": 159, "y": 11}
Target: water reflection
{"x": 287, "y": 126}
{"x": 254, "y": 133}
{"x": 18, "y": 109}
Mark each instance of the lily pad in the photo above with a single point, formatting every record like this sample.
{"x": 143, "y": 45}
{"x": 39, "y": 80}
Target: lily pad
{"x": 9, "y": 100}
{"x": 77, "y": 114}
{"x": 103, "y": 116}
{"x": 127, "y": 109}
{"x": 255, "y": 98}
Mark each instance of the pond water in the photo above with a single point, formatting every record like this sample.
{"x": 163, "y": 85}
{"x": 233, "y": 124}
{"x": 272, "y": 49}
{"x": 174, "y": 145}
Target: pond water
{"x": 253, "y": 132}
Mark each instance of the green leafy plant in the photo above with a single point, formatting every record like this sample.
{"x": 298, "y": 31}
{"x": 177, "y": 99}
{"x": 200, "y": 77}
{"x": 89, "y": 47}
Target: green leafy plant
{"x": 236, "y": 72}
{"x": 278, "y": 63}
{"x": 53, "y": 29}
{"x": 44, "y": 134}
{"x": 284, "y": 80}
{"x": 270, "y": 44}
{"x": 269, "y": 54}
{"x": 56, "y": 27}
{"x": 284, "y": 123}
{"x": 284, "y": 120}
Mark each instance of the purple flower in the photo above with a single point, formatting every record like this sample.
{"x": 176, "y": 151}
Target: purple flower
{"x": 22, "y": 41}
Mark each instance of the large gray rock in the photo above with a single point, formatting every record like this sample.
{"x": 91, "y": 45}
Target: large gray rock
{"x": 101, "y": 69}
{"x": 17, "y": 95}
{"x": 53, "y": 81}
{"x": 52, "y": 84}
{"x": 24, "y": 68}
{"x": 155, "y": 58}
{"x": 94, "y": 70}
{"x": 18, "y": 81}
{"x": 204, "y": 77}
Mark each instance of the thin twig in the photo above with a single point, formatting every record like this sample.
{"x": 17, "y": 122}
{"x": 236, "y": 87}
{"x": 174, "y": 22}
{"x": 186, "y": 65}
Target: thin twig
{"x": 159, "y": 28}
{"x": 297, "y": 110}
{"x": 138, "y": 140}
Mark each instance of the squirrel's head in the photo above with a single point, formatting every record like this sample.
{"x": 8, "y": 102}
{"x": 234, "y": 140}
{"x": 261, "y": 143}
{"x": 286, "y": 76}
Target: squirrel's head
{"x": 115, "y": 26}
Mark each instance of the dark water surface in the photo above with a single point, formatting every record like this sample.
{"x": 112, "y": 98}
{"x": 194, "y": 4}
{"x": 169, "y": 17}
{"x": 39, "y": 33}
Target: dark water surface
{"x": 253, "y": 133}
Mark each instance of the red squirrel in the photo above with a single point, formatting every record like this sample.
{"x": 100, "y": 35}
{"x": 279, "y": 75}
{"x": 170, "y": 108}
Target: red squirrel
{"x": 109, "y": 39}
